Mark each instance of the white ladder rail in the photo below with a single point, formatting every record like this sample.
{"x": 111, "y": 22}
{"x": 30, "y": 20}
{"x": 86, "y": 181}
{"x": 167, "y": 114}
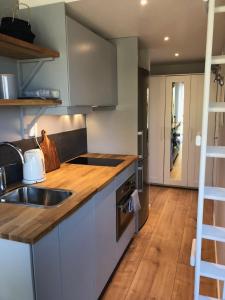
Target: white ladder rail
{"x": 208, "y": 61}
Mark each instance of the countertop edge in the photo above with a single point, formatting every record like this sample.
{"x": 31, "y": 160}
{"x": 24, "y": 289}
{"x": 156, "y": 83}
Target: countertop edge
{"x": 45, "y": 231}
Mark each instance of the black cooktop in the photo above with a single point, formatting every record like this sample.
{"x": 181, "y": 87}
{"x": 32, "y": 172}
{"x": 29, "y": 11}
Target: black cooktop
{"x": 106, "y": 162}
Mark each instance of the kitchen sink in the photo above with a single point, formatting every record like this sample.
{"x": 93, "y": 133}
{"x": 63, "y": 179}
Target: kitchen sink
{"x": 35, "y": 196}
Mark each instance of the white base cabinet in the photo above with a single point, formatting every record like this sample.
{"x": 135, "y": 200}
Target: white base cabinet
{"x": 105, "y": 237}
{"x": 75, "y": 260}
{"x": 76, "y": 235}
{"x": 46, "y": 255}
{"x": 16, "y": 272}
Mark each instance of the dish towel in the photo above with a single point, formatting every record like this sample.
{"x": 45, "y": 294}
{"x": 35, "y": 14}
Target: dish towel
{"x": 134, "y": 203}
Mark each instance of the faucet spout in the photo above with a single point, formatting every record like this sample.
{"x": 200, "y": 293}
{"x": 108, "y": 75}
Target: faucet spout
{"x": 17, "y": 149}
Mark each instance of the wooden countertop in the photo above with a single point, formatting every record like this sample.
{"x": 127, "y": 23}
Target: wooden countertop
{"x": 28, "y": 224}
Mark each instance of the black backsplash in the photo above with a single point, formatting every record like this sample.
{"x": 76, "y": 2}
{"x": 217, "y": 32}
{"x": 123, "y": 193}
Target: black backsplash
{"x": 69, "y": 144}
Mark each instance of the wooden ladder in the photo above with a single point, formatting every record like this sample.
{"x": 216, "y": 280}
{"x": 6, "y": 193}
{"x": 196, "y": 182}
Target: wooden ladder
{"x": 203, "y": 268}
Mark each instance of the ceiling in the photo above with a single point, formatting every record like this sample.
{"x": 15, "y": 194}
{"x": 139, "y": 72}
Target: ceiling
{"x": 184, "y": 21}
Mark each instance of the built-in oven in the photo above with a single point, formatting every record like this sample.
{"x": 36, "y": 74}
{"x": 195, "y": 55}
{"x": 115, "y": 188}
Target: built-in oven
{"x": 124, "y": 213}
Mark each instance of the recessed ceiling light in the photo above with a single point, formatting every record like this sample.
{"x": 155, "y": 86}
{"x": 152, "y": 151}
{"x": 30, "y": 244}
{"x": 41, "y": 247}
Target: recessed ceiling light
{"x": 176, "y": 54}
{"x": 166, "y": 38}
{"x": 143, "y": 2}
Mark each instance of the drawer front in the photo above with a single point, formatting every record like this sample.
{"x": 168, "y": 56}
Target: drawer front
{"x": 122, "y": 177}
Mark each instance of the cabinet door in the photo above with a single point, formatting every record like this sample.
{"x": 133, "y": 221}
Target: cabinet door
{"x": 177, "y": 130}
{"x": 46, "y": 260}
{"x": 77, "y": 254}
{"x": 105, "y": 222}
{"x": 196, "y": 106}
{"x": 92, "y": 67}
{"x": 156, "y": 132}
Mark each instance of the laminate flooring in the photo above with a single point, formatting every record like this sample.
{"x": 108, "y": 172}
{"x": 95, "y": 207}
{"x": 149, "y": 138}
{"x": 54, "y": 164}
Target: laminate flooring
{"x": 156, "y": 264}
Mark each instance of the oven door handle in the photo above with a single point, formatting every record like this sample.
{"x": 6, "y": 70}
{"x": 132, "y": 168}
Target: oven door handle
{"x": 125, "y": 206}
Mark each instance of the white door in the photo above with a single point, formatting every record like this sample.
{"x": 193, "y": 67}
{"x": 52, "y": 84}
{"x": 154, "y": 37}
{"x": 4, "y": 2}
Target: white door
{"x": 197, "y": 85}
{"x": 156, "y": 125}
{"x": 177, "y": 130}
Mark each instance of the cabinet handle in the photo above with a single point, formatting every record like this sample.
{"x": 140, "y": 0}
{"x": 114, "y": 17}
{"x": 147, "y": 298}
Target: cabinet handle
{"x": 141, "y": 137}
{"x": 140, "y": 182}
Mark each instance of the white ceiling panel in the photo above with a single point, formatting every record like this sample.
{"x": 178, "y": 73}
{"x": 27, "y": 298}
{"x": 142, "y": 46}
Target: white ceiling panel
{"x": 183, "y": 20}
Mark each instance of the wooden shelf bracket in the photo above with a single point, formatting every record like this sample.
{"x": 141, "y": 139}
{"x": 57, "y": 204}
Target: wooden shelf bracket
{"x": 38, "y": 63}
{"x": 24, "y": 131}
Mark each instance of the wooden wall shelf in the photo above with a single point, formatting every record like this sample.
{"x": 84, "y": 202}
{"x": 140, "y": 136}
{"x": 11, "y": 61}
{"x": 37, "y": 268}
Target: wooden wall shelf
{"x": 18, "y": 49}
{"x": 30, "y": 102}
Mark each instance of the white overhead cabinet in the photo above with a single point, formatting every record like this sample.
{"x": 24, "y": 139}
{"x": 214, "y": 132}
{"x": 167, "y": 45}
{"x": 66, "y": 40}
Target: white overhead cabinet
{"x": 85, "y": 72}
{"x": 175, "y": 120}
{"x": 92, "y": 67}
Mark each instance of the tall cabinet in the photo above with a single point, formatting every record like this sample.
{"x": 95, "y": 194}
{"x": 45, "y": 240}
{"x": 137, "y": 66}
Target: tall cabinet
{"x": 164, "y": 129}
{"x": 197, "y": 84}
{"x": 156, "y": 129}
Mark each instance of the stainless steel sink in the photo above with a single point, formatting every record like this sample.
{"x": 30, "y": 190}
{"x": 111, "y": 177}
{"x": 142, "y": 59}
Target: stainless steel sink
{"x": 35, "y": 196}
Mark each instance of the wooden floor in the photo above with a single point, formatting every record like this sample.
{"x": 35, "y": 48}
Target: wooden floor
{"x": 156, "y": 265}
{"x": 176, "y": 173}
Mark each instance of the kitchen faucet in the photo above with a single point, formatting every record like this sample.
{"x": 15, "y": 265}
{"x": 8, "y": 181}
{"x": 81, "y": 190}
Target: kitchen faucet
{"x": 3, "y": 185}
{"x": 18, "y": 150}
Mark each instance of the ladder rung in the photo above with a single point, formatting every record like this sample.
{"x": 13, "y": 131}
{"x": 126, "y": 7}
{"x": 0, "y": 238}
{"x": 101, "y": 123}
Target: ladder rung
{"x": 214, "y": 193}
{"x": 220, "y": 9}
{"x": 212, "y": 270}
{"x": 217, "y": 107}
{"x": 206, "y": 298}
{"x": 213, "y": 233}
{"x": 217, "y": 60}
{"x": 215, "y": 151}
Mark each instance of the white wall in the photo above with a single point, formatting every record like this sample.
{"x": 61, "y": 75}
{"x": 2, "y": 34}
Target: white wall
{"x": 9, "y": 117}
{"x": 10, "y": 124}
{"x": 116, "y": 131}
